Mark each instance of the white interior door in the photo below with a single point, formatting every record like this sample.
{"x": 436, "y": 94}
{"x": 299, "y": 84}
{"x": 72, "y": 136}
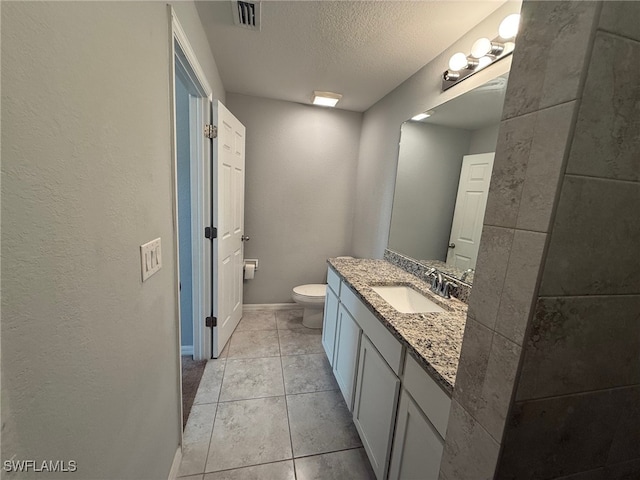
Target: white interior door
{"x": 468, "y": 216}
{"x": 228, "y": 218}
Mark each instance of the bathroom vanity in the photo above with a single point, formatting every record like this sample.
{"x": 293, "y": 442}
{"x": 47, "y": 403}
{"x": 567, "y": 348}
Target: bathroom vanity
{"x": 395, "y": 370}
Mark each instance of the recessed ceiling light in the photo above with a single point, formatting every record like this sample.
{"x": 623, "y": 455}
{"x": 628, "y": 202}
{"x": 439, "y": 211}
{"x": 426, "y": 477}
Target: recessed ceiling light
{"x": 326, "y": 99}
{"x": 422, "y": 116}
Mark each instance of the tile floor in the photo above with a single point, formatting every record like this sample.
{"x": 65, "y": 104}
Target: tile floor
{"x": 269, "y": 408}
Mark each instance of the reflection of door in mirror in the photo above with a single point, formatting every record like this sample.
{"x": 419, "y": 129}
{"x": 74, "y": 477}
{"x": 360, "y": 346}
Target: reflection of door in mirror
{"x": 468, "y": 215}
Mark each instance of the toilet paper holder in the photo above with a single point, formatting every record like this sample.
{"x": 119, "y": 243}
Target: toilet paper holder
{"x": 251, "y": 261}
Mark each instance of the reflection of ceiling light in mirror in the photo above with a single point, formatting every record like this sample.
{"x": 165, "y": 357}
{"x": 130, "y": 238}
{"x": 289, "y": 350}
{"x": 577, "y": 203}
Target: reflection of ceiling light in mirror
{"x": 484, "y": 61}
{"x": 422, "y": 116}
{"x": 326, "y": 99}
{"x": 458, "y": 61}
{"x": 509, "y": 26}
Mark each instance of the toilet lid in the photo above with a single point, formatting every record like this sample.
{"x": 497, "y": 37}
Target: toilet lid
{"x": 311, "y": 290}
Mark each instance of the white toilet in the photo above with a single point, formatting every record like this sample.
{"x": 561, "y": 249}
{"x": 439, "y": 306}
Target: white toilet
{"x": 311, "y": 297}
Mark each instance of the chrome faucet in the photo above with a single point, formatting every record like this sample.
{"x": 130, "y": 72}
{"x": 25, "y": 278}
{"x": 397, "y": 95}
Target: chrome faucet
{"x": 439, "y": 285}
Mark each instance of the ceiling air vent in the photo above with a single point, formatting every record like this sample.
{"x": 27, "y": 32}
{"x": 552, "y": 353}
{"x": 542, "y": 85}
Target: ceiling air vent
{"x": 246, "y": 14}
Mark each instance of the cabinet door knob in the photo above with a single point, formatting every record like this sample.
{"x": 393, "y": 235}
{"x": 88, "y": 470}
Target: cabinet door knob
{"x": 245, "y": 238}
{"x": 452, "y": 245}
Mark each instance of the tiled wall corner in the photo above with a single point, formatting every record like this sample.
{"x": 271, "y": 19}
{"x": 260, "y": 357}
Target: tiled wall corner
{"x": 509, "y": 168}
{"x": 470, "y": 453}
{"x": 485, "y": 385}
{"x": 545, "y": 166}
{"x": 523, "y": 270}
{"x": 491, "y": 270}
{"x": 539, "y": 118}
{"x": 576, "y": 414}
{"x": 550, "y": 55}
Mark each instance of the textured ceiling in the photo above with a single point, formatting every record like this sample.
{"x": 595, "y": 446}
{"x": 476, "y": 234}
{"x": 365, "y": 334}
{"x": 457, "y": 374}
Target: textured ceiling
{"x": 362, "y": 50}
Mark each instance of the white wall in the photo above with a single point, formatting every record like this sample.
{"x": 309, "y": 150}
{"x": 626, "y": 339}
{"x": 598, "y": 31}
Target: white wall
{"x": 300, "y": 172}
{"x": 89, "y": 353}
{"x": 378, "y": 155}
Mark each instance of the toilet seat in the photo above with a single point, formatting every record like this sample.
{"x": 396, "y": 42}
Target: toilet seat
{"x": 313, "y": 293}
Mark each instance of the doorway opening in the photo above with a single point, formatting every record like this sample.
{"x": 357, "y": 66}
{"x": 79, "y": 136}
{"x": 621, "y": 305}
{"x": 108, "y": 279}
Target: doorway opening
{"x": 191, "y": 104}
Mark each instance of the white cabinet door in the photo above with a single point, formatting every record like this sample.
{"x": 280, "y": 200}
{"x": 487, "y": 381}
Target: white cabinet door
{"x": 345, "y": 358}
{"x": 329, "y": 324}
{"x": 374, "y": 410}
{"x": 417, "y": 447}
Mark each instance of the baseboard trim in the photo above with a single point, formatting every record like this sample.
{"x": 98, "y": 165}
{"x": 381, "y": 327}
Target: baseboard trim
{"x": 175, "y": 466}
{"x": 250, "y": 307}
{"x": 186, "y": 350}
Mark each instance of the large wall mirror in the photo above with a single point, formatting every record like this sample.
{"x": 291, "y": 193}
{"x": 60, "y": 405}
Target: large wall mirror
{"x": 444, "y": 169}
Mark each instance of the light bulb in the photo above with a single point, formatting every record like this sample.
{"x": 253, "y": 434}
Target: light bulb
{"x": 481, "y": 47}
{"x": 484, "y": 61}
{"x": 509, "y": 26}
{"x": 458, "y": 61}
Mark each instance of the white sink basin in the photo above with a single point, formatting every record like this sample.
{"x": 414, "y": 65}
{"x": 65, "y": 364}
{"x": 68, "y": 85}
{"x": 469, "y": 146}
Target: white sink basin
{"x": 407, "y": 300}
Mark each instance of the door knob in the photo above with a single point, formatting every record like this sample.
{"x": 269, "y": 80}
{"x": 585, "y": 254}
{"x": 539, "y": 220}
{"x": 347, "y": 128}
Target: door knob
{"x": 452, "y": 245}
{"x": 245, "y": 238}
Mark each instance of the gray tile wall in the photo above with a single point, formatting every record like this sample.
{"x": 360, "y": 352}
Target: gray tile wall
{"x": 550, "y": 360}
{"x": 576, "y": 412}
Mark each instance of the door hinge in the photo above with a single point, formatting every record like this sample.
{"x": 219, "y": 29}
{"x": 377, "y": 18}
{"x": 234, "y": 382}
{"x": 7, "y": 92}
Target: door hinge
{"x": 211, "y": 321}
{"x": 210, "y": 131}
{"x": 210, "y": 232}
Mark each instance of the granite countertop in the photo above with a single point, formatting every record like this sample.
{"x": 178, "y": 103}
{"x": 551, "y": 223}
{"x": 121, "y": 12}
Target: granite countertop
{"x": 433, "y": 339}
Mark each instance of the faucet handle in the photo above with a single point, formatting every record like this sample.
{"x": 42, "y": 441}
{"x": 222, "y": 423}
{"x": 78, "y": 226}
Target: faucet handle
{"x": 466, "y": 274}
{"x": 447, "y": 287}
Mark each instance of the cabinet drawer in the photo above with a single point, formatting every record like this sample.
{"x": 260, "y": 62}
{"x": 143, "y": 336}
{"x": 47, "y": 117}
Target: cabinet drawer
{"x": 333, "y": 280}
{"x": 431, "y": 399}
{"x": 389, "y": 346}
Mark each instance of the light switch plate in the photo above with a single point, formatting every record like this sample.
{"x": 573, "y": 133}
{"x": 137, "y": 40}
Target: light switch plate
{"x": 150, "y": 258}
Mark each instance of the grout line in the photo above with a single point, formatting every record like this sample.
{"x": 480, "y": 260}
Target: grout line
{"x": 215, "y": 416}
{"x": 327, "y": 453}
{"x": 622, "y": 36}
{"x": 604, "y": 179}
{"x": 286, "y": 407}
{"x": 578, "y": 394}
{"x": 245, "y": 466}
{"x": 594, "y": 296}
{"x": 314, "y": 391}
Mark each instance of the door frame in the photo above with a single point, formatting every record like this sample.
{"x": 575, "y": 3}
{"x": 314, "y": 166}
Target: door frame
{"x": 184, "y": 62}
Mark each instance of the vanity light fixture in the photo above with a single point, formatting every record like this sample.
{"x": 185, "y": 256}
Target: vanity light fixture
{"x": 484, "y": 52}
{"x": 509, "y": 26}
{"x": 422, "y": 116}
{"x": 326, "y": 99}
